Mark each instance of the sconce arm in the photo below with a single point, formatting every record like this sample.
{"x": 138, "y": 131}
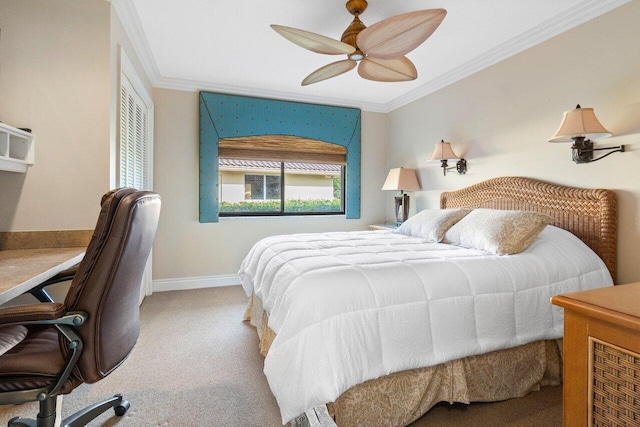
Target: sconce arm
{"x": 588, "y": 148}
{"x": 460, "y": 167}
{"x": 618, "y": 149}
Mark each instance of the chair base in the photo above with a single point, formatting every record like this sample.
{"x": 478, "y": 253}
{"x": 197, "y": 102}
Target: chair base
{"x": 47, "y": 414}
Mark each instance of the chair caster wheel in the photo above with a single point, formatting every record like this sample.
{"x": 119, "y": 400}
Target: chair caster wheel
{"x": 122, "y": 408}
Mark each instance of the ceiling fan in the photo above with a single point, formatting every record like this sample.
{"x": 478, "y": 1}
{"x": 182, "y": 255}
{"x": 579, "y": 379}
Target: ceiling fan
{"x": 380, "y": 48}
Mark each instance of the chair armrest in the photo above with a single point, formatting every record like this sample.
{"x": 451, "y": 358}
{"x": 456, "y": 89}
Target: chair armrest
{"x": 41, "y": 295}
{"x": 30, "y": 313}
{"x": 56, "y": 315}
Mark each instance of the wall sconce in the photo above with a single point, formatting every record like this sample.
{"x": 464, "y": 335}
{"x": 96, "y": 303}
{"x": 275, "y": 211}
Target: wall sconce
{"x": 404, "y": 180}
{"x": 576, "y": 126}
{"x": 443, "y": 152}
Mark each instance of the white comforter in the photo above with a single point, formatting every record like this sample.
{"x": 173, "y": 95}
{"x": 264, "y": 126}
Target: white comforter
{"x": 352, "y": 306}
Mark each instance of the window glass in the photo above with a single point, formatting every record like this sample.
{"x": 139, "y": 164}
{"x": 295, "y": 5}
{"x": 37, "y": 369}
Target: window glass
{"x": 272, "y": 184}
{"x": 312, "y": 188}
{"x": 254, "y": 187}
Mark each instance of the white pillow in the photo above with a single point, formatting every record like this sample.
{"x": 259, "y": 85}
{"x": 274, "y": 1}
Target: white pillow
{"x": 431, "y": 224}
{"x": 502, "y": 232}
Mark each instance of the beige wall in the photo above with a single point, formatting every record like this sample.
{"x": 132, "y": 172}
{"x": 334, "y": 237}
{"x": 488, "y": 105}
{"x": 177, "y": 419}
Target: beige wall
{"x": 308, "y": 186}
{"x": 186, "y": 248}
{"x": 57, "y": 77}
{"x": 54, "y": 78}
{"x": 299, "y": 185}
{"x": 500, "y": 119}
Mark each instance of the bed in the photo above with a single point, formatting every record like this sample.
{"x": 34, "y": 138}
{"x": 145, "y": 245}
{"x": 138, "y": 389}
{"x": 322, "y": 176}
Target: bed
{"x": 363, "y": 362}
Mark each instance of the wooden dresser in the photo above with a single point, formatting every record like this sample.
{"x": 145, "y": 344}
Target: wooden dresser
{"x": 601, "y": 356}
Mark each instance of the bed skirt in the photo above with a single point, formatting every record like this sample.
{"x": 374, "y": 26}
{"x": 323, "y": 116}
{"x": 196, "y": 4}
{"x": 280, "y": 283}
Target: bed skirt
{"x": 400, "y": 398}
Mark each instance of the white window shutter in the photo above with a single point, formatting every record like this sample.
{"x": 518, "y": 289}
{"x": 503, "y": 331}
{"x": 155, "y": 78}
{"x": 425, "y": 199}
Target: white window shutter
{"x": 133, "y": 138}
{"x": 135, "y": 148}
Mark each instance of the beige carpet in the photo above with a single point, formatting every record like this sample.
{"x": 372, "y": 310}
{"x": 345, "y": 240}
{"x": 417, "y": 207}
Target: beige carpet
{"x": 197, "y": 364}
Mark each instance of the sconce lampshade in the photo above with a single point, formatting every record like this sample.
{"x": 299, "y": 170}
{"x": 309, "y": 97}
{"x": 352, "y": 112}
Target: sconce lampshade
{"x": 580, "y": 122}
{"x": 443, "y": 151}
{"x": 401, "y": 179}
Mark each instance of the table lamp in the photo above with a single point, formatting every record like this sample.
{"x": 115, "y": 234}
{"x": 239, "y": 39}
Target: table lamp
{"x": 403, "y": 180}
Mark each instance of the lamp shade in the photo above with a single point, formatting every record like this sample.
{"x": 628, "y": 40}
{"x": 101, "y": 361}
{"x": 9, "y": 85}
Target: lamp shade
{"x": 401, "y": 179}
{"x": 443, "y": 151}
{"x": 579, "y": 122}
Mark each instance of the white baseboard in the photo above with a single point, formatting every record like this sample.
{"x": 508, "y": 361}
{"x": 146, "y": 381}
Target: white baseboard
{"x": 185, "y": 283}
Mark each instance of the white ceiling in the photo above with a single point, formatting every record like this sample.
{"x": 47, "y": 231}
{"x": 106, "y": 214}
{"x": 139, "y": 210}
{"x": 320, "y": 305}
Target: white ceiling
{"x": 228, "y": 46}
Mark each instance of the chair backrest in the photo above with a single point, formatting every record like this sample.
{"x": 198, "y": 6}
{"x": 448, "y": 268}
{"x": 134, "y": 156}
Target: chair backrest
{"x": 107, "y": 283}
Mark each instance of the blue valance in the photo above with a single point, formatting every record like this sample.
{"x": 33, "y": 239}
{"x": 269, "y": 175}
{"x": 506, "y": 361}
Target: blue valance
{"x": 230, "y": 116}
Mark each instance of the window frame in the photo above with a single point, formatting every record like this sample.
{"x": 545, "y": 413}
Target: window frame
{"x": 282, "y": 211}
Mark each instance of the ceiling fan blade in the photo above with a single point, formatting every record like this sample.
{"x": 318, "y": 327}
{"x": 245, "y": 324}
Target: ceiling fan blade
{"x": 399, "y": 35}
{"x": 328, "y": 71}
{"x": 313, "y": 42}
{"x": 387, "y": 70}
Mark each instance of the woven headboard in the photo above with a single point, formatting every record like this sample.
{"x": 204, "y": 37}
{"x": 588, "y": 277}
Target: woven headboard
{"x": 590, "y": 214}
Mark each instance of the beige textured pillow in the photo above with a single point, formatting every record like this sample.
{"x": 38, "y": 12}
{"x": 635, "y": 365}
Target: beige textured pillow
{"x": 10, "y": 336}
{"x": 431, "y": 224}
{"x": 502, "y": 232}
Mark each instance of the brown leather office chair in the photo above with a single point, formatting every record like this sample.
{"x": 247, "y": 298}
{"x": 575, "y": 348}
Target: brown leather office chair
{"x": 88, "y": 336}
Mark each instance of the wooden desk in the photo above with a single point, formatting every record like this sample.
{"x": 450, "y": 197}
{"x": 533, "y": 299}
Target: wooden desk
{"x": 601, "y": 356}
{"x": 23, "y": 269}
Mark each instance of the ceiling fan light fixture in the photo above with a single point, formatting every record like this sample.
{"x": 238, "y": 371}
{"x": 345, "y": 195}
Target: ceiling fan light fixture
{"x": 380, "y": 48}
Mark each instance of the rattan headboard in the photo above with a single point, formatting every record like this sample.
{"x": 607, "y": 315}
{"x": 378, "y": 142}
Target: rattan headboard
{"x": 590, "y": 214}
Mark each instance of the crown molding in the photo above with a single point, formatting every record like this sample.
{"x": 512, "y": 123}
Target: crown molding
{"x": 560, "y": 23}
{"x": 194, "y": 86}
{"x": 133, "y": 27}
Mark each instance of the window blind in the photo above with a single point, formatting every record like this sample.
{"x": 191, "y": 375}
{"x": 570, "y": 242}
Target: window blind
{"x": 282, "y": 148}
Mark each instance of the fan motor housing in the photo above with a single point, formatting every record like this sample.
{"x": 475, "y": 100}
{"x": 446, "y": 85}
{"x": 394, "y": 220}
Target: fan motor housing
{"x": 351, "y": 33}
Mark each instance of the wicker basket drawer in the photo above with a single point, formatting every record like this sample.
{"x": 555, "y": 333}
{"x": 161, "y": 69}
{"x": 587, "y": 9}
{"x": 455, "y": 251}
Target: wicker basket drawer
{"x": 614, "y": 385}
{"x": 601, "y": 375}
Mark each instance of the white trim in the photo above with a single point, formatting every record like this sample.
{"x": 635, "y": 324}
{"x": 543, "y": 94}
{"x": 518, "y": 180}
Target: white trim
{"x": 194, "y": 86}
{"x": 565, "y": 21}
{"x": 133, "y": 27}
{"x": 184, "y": 283}
{"x": 127, "y": 68}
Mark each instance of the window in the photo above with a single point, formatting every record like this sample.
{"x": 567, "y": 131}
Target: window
{"x": 258, "y": 187}
{"x": 245, "y": 128}
{"x": 262, "y": 187}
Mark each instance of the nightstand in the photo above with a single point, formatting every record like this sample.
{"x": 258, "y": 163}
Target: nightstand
{"x": 601, "y": 356}
{"x": 385, "y": 226}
